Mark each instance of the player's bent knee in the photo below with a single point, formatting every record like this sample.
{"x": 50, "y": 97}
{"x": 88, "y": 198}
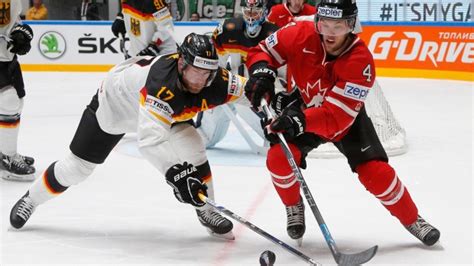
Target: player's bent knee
{"x": 73, "y": 170}
{"x": 376, "y": 176}
{"x": 276, "y": 158}
{"x": 10, "y": 103}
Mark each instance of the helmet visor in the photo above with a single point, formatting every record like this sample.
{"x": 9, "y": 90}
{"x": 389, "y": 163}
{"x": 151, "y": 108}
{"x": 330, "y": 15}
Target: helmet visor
{"x": 334, "y": 27}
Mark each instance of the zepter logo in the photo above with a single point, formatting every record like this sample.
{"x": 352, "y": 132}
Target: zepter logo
{"x": 52, "y": 45}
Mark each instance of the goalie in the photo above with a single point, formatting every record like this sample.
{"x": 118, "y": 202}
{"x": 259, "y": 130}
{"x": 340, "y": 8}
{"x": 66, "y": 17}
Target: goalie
{"x": 233, "y": 38}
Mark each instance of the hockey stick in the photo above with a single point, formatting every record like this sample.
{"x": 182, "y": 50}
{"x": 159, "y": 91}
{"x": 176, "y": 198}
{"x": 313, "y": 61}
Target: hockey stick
{"x": 339, "y": 257}
{"x": 122, "y": 46}
{"x": 259, "y": 231}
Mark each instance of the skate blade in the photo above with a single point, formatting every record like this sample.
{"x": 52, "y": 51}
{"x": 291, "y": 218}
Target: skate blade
{"x": 226, "y": 236}
{"x": 299, "y": 242}
{"x": 12, "y": 177}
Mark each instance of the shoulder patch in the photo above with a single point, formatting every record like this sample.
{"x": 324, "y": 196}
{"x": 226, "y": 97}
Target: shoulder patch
{"x": 356, "y": 91}
{"x": 271, "y": 40}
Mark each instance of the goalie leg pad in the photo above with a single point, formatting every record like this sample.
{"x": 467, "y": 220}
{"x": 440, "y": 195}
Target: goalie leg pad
{"x": 380, "y": 179}
{"x": 212, "y": 125}
{"x": 284, "y": 180}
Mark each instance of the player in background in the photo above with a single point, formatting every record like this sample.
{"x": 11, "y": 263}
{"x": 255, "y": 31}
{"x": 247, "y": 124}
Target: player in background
{"x": 15, "y": 39}
{"x": 149, "y": 25}
{"x": 156, "y": 97}
{"x": 233, "y": 38}
{"x": 284, "y": 13}
{"x": 334, "y": 71}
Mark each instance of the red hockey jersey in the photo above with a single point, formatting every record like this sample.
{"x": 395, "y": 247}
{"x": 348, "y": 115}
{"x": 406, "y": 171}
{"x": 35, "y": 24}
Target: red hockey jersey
{"x": 334, "y": 91}
{"x": 280, "y": 15}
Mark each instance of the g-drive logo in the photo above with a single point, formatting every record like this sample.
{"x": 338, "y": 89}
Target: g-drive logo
{"x": 356, "y": 91}
{"x": 329, "y": 12}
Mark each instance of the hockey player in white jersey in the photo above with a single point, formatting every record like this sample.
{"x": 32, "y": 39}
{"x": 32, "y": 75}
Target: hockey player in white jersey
{"x": 149, "y": 25}
{"x": 156, "y": 97}
{"x": 15, "y": 39}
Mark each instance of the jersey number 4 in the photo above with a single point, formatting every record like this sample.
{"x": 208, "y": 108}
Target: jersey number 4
{"x": 367, "y": 73}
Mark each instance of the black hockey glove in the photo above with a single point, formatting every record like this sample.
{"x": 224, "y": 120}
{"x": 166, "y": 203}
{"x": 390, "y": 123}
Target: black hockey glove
{"x": 151, "y": 50}
{"x": 20, "y": 39}
{"x": 269, "y": 134}
{"x": 181, "y": 177}
{"x": 118, "y": 27}
{"x": 261, "y": 84}
{"x": 291, "y": 123}
{"x": 284, "y": 99}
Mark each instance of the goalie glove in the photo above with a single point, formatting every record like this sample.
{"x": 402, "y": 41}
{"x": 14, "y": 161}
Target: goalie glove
{"x": 20, "y": 39}
{"x": 186, "y": 186}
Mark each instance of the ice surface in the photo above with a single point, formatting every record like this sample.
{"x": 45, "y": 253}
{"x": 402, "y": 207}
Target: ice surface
{"x": 125, "y": 213}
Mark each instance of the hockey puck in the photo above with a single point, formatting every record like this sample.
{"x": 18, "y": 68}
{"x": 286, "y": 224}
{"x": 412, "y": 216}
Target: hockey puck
{"x": 267, "y": 258}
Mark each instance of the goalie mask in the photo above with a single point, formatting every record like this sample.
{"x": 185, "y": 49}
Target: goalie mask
{"x": 254, "y": 16}
{"x": 199, "y": 51}
{"x": 343, "y": 12}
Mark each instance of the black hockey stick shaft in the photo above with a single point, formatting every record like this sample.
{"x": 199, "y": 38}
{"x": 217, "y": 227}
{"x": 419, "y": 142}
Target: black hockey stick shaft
{"x": 258, "y": 230}
{"x": 122, "y": 46}
{"x": 340, "y": 258}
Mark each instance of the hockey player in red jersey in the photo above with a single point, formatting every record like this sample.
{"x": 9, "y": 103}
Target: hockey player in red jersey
{"x": 284, "y": 13}
{"x": 156, "y": 97}
{"x": 334, "y": 71}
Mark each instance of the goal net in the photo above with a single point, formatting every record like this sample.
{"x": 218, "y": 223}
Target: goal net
{"x": 390, "y": 133}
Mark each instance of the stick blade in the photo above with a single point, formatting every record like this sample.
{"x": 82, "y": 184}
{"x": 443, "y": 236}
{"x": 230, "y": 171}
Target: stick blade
{"x": 357, "y": 258}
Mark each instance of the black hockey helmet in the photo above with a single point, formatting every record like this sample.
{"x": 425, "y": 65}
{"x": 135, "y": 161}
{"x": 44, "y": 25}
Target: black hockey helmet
{"x": 199, "y": 51}
{"x": 337, "y": 10}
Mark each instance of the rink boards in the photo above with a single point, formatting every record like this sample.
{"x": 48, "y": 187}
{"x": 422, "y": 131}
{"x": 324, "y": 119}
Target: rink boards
{"x": 442, "y": 50}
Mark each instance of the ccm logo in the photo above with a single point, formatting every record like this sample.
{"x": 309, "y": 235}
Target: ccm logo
{"x": 355, "y": 92}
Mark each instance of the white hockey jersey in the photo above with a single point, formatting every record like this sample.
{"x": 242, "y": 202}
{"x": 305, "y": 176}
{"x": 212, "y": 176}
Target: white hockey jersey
{"x": 144, "y": 95}
{"x": 9, "y": 16}
{"x": 148, "y": 22}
